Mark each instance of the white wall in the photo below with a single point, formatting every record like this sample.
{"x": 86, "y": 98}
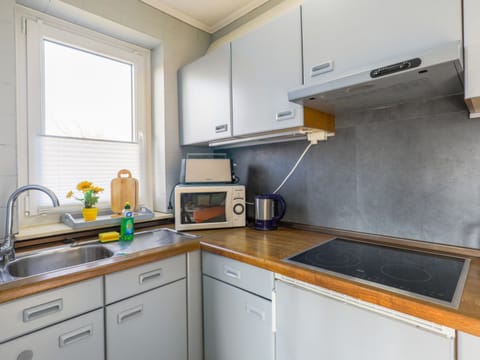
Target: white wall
{"x": 8, "y": 164}
{"x": 174, "y": 44}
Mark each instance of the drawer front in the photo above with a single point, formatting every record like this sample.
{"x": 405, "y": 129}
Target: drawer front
{"x": 37, "y": 311}
{"x": 244, "y": 276}
{"x": 123, "y": 284}
{"x": 76, "y": 339}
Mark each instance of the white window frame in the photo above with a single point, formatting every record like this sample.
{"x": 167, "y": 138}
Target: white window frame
{"x": 31, "y": 28}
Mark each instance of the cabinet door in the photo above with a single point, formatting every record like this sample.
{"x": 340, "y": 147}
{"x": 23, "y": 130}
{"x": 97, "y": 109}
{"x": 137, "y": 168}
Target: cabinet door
{"x": 345, "y": 36}
{"x": 266, "y": 63}
{"x": 237, "y": 324}
{"x": 314, "y": 326}
{"x": 76, "y": 339}
{"x": 471, "y": 11}
{"x": 149, "y": 326}
{"x": 205, "y": 98}
{"x": 468, "y": 347}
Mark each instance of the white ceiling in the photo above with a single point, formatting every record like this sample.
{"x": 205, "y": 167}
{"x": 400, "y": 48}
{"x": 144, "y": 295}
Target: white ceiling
{"x": 207, "y": 15}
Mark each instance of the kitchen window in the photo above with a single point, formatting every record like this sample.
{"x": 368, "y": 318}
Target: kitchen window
{"x": 83, "y": 112}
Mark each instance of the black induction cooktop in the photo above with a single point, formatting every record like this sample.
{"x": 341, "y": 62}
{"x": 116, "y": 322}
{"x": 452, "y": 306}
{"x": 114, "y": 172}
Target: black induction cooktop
{"x": 424, "y": 275}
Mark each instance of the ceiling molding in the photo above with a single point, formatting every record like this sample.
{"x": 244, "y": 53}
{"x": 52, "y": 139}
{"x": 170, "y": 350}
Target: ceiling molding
{"x": 210, "y": 28}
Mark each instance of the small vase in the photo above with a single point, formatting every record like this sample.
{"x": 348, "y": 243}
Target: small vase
{"x": 90, "y": 214}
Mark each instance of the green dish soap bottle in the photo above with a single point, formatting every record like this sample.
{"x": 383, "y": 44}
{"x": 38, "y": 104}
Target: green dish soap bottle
{"x": 126, "y": 226}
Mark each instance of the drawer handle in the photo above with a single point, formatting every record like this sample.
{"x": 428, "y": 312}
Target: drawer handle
{"x": 285, "y": 115}
{"x": 124, "y": 315}
{"x": 257, "y": 312}
{"x": 42, "y": 310}
{"x": 74, "y": 336}
{"x": 149, "y": 275}
{"x": 228, "y": 271}
{"x": 321, "y": 68}
{"x": 221, "y": 128}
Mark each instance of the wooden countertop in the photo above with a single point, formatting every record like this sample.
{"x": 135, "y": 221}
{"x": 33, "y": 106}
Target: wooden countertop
{"x": 266, "y": 250}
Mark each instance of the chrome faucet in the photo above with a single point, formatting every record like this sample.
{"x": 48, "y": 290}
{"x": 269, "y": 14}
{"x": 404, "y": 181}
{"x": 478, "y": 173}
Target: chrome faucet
{"x": 7, "y": 247}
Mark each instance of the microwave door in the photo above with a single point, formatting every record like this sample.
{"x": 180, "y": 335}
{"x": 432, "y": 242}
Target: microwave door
{"x": 202, "y": 208}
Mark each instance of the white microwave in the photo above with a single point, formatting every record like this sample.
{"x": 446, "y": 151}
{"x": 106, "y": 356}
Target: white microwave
{"x": 209, "y": 206}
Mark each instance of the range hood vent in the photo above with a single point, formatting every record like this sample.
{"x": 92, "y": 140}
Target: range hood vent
{"x": 433, "y": 74}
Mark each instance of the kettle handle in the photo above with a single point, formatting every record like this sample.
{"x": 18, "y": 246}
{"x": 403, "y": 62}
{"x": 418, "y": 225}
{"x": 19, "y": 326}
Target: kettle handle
{"x": 282, "y": 208}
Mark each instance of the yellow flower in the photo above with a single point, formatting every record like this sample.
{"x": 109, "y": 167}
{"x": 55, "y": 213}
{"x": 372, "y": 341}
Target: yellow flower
{"x": 84, "y": 186}
{"x": 97, "y": 189}
{"x": 88, "y": 193}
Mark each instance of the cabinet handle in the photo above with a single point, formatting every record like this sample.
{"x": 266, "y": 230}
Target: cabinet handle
{"x": 42, "y": 310}
{"x": 149, "y": 275}
{"x": 221, "y": 128}
{"x": 321, "y": 68}
{"x": 259, "y": 313}
{"x": 137, "y": 310}
{"x": 285, "y": 115}
{"x": 228, "y": 271}
{"x": 74, "y": 336}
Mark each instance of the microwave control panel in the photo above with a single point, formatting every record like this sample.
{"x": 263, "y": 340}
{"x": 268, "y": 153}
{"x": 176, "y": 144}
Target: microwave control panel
{"x": 238, "y": 206}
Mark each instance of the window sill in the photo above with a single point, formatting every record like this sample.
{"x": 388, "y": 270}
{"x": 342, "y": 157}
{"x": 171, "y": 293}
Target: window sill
{"x": 33, "y": 232}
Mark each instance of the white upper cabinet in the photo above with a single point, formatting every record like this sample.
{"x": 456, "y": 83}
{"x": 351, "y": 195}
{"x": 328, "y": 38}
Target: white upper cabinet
{"x": 471, "y": 18}
{"x": 266, "y": 63}
{"x": 205, "y": 98}
{"x": 342, "y": 37}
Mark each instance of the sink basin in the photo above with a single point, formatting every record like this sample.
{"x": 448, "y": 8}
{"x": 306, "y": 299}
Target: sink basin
{"x": 56, "y": 259}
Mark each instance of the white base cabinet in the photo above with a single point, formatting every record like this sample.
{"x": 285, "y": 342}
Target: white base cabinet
{"x": 468, "y": 347}
{"x": 152, "y": 325}
{"x": 238, "y": 325}
{"x": 80, "y": 338}
{"x": 237, "y": 310}
{"x": 312, "y": 325}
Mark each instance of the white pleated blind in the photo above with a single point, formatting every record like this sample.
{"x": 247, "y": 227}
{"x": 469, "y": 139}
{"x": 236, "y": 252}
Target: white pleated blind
{"x": 61, "y": 163}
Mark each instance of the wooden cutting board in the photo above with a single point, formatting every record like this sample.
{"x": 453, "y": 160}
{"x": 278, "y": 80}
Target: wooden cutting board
{"x": 123, "y": 188}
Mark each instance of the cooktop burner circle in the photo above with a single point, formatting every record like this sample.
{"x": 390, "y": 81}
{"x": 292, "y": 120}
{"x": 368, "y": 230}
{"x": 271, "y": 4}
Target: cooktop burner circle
{"x": 405, "y": 272}
{"x": 334, "y": 260}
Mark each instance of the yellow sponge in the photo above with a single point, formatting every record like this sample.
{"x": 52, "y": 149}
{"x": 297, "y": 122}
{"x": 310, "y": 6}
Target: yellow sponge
{"x": 108, "y": 236}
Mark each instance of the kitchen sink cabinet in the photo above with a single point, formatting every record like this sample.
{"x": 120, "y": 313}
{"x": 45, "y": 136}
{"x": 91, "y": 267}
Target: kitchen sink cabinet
{"x": 75, "y": 339}
{"x": 237, "y": 322}
{"x": 146, "y": 315}
{"x": 266, "y": 63}
{"x": 341, "y": 37}
{"x": 205, "y": 98}
{"x": 317, "y": 323}
{"x": 471, "y": 21}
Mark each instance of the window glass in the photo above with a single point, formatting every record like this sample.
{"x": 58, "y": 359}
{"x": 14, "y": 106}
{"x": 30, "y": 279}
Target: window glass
{"x": 87, "y": 95}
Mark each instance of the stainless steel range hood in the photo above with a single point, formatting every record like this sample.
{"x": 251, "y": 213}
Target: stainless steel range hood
{"x": 433, "y": 74}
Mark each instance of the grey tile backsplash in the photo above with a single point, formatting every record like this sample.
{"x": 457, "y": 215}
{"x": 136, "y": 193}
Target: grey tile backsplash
{"x": 411, "y": 171}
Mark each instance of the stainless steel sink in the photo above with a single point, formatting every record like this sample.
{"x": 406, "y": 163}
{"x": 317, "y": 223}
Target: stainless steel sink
{"x": 56, "y": 259}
